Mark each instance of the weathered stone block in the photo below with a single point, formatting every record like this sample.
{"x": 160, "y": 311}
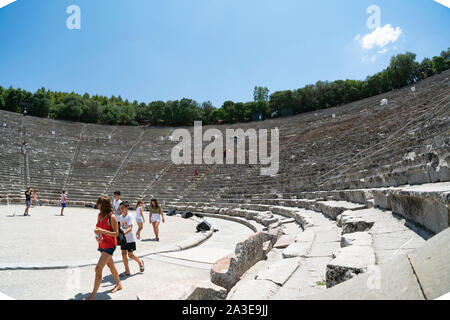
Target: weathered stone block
{"x": 381, "y": 199}
{"x": 431, "y": 264}
{"x": 250, "y": 289}
{"x": 280, "y": 271}
{"x": 418, "y": 176}
{"x": 227, "y": 271}
{"x": 206, "y": 291}
{"x": 347, "y": 263}
{"x": 284, "y": 241}
{"x": 427, "y": 212}
{"x": 297, "y": 250}
{"x": 356, "y": 239}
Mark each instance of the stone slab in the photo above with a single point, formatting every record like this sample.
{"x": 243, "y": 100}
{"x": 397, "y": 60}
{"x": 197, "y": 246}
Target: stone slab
{"x": 297, "y": 250}
{"x": 431, "y": 264}
{"x": 324, "y": 249}
{"x": 427, "y": 212}
{"x": 348, "y": 262}
{"x": 253, "y": 290}
{"x": 309, "y": 278}
{"x": 394, "y": 280}
{"x": 280, "y": 271}
{"x": 205, "y": 290}
{"x": 306, "y": 236}
{"x": 284, "y": 241}
{"x": 356, "y": 239}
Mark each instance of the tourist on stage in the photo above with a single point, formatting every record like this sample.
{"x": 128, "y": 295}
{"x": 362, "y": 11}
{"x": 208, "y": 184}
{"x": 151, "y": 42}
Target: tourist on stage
{"x": 36, "y": 202}
{"x": 126, "y": 222}
{"x": 63, "y": 202}
{"x": 106, "y": 233}
{"x": 156, "y": 213}
{"x": 27, "y": 201}
{"x": 116, "y": 203}
{"x": 140, "y": 219}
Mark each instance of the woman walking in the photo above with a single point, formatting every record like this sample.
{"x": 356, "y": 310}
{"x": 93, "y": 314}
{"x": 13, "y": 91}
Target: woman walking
{"x": 140, "y": 220}
{"x": 106, "y": 233}
{"x": 156, "y": 213}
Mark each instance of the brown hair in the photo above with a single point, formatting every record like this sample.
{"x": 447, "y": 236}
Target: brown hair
{"x": 139, "y": 202}
{"x": 156, "y": 202}
{"x": 105, "y": 206}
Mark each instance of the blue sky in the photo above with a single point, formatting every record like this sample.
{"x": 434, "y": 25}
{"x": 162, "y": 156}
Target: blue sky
{"x": 214, "y": 50}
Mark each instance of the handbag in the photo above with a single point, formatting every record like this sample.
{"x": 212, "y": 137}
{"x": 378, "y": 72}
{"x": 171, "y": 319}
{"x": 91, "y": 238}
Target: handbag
{"x": 121, "y": 239}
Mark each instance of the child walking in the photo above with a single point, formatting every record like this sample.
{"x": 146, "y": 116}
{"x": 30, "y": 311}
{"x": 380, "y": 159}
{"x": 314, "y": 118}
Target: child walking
{"x": 116, "y": 203}
{"x": 126, "y": 224}
{"x": 63, "y": 202}
{"x": 140, "y": 220}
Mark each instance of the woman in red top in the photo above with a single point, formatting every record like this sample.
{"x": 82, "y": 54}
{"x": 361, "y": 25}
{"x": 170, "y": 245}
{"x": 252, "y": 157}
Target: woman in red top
{"x": 106, "y": 234}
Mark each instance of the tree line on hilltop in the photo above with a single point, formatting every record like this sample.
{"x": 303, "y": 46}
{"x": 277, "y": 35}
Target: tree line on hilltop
{"x": 403, "y": 70}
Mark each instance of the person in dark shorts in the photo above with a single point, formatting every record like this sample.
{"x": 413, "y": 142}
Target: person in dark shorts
{"x": 106, "y": 232}
{"x": 63, "y": 202}
{"x": 129, "y": 227}
{"x": 27, "y": 201}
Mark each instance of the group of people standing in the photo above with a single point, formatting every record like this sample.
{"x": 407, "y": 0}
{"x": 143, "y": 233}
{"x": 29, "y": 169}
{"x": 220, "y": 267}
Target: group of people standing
{"x": 31, "y": 193}
{"x": 112, "y": 216}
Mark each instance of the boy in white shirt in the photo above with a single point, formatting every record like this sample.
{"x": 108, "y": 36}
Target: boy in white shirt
{"x": 126, "y": 222}
{"x": 116, "y": 203}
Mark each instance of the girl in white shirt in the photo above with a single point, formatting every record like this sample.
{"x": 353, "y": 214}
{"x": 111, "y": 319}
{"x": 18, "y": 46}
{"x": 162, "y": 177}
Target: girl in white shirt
{"x": 140, "y": 220}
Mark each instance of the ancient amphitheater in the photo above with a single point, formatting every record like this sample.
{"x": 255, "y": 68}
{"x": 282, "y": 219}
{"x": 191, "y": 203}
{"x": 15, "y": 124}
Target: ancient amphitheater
{"x": 358, "y": 210}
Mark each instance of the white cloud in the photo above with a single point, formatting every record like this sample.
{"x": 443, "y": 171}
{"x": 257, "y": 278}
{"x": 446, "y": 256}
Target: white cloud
{"x": 381, "y": 37}
{"x": 4, "y": 3}
{"x": 383, "y": 51}
{"x": 368, "y": 58}
{"x": 357, "y": 37}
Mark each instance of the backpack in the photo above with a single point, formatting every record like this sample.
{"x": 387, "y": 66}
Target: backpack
{"x": 121, "y": 239}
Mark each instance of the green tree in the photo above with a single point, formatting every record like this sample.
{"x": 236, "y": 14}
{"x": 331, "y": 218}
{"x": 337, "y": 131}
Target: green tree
{"x": 439, "y": 64}
{"x": 40, "y": 104}
{"x": 13, "y": 98}
{"x": 2, "y": 97}
{"x": 91, "y": 112}
{"x": 72, "y": 108}
{"x": 127, "y": 115}
{"x": 228, "y": 108}
{"x": 282, "y": 100}
{"x": 218, "y": 116}
{"x": 110, "y": 114}
{"x": 208, "y": 108}
{"x": 260, "y": 94}
{"x": 446, "y": 55}
{"x": 157, "y": 111}
{"x": 143, "y": 114}
{"x": 239, "y": 111}
{"x": 426, "y": 68}
{"x": 403, "y": 70}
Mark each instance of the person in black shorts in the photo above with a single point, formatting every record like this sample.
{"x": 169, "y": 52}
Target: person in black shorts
{"x": 27, "y": 201}
{"x": 129, "y": 227}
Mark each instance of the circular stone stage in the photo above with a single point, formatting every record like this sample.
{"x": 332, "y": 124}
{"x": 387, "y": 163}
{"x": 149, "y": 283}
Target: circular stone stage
{"x": 46, "y": 240}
